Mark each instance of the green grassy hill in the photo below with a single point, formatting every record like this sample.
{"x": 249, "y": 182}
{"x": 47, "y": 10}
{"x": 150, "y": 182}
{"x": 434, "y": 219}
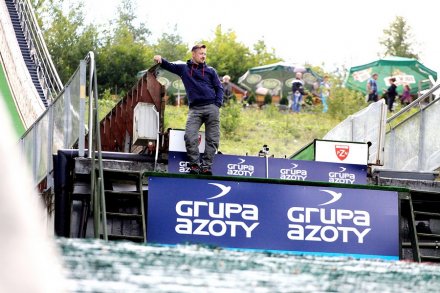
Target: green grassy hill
{"x": 246, "y": 130}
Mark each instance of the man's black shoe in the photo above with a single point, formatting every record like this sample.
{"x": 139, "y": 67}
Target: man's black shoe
{"x": 194, "y": 169}
{"x": 206, "y": 171}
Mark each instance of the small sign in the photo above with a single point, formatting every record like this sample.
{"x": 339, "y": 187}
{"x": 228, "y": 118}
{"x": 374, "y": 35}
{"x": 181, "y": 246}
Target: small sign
{"x": 341, "y": 152}
{"x": 177, "y": 141}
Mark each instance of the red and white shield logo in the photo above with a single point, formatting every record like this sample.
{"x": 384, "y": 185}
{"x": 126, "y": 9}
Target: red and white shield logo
{"x": 342, "y": 151}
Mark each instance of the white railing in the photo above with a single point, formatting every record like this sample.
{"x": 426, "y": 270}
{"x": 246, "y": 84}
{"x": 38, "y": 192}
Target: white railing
{"x": 409, "y": 145}
{"x": 414, "y": 143}
{"x": 47, "y": 73}
{"x": 63, "y": 124}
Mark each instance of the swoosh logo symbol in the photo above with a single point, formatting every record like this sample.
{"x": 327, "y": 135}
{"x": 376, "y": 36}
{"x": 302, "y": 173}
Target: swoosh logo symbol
{"x": 342, "y": 169}
{"x": 336, "y": 196}
{"x": 224, "y": 190}
{"x": 241, "y": 161}
{"x": 294, "y": 166}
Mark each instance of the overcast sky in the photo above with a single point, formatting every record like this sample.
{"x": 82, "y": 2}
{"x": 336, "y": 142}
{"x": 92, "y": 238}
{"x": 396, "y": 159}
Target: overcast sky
{"x": 333, "y": 33}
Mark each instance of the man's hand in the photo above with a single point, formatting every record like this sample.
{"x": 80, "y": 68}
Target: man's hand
{"x": 157, "y": 59}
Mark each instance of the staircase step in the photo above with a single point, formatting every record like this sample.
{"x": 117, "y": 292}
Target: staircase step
{"x": 422, "y": 245}
{"x": 123, "y": 215}
{"x": 428, "y": 235}
{"x": 122, "y": 193}
{"x": 428, "y": 214}
{"x": 430, "y": 258}
{"x": 126, "y": 237}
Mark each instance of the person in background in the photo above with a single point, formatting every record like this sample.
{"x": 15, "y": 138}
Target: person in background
{"x": 227, "y": 89}
{"x": 372, "y": 88}
{"x": 205, "y": 97}
{"x": 297, "y": 92}
{"x": 391, "y": 94}
{"x": 406, "y": 98}
{"x": 324, "y": 93}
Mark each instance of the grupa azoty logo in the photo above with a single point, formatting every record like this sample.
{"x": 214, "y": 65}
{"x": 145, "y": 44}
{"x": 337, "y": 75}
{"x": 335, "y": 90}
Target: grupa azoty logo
{"x": 216, "y": 216}
{"x": 341, "y": 176}
{"x": 240, "y": 168}
{"x": 326, "y": 224}
{"x": 293, "y": 173}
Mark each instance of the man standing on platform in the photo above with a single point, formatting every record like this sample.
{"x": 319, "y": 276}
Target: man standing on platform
{"x": 205, "y": 97}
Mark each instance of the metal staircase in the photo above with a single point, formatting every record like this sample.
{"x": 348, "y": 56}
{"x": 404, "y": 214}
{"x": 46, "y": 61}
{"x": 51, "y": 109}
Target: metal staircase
{"x": 420, "y": 226}
{"x": 25, "y": 51}
{"x": 125, "y": 210}
{"x": 426, "y": 209}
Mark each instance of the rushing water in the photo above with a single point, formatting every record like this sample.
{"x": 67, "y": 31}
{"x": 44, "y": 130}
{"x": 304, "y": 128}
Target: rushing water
{"x": 98, "y": 266}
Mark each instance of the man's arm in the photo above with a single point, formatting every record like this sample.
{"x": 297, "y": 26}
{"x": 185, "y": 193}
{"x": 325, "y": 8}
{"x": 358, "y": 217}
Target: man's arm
{"x": 369, "y": 87}
{"x": 174, "y": 68}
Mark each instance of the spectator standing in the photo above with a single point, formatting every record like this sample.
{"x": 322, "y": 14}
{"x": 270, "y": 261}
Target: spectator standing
{"x": 391, "y": 94}
{"x": 324, "y": 93}
{"x": 406, "y": 98}
{"x": 297, "y": 92}
{"x": 205, "y": 97}
{"x": 372, "y": 88}
{"x": 227, "y": 89}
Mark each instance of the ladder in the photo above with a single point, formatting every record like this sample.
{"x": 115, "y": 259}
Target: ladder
{"x": 423, "y": 222}
{"x": 124, "y": 211}
{"x": 426, "y": 209}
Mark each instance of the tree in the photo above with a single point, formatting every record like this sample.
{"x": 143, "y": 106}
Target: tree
{"x": 124, "y": 52}
{"x": 127, "y": 18}
{"x": 398, "y": 39}
{"x": 227, "y": 55}
{"x": 68, "y": 39}
{"x": 171, "y": 46}
{"x": 262, "y": 56}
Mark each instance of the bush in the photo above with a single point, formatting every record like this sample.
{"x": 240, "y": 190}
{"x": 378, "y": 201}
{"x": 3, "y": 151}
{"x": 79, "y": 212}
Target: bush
{"x": 267, "y": 99}
{"x": 344, "y": 102}
{"x": 230, "y": 118}
{"x": 172, "y": 100}
{"x": 284, "y": 101}
{"x": 251, "y": 100}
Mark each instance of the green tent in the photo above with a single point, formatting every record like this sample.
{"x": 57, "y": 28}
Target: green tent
{"x": 405, "y": 70}
{"x": 277, "y": 78}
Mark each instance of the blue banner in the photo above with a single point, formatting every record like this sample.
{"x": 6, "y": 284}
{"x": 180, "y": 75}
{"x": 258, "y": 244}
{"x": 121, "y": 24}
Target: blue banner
{"x": 223, "y": 165}
{"x": 317, "y": 171}
{"x": 267, "y": 216}
{"x": 249, "y": 166}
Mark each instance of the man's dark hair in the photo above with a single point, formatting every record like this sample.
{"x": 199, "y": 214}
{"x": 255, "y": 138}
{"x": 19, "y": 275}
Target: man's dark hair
{"x": 198, "y": 46}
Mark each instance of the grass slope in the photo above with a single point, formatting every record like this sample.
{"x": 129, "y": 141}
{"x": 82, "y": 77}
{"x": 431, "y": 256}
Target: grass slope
{"x": 245, "y": 131}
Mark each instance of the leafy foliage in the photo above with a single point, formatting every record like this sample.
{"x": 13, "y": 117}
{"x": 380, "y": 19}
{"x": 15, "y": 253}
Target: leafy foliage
{"x": 267, "y": 99}
{"x": 230, "y": 118}
{"x": 344, "y": 102}
{"x": 398, "y": 39}
{"x": 284, "y": 101}
{"x": 171, "y": 46}
{"x": 68, "y": 39}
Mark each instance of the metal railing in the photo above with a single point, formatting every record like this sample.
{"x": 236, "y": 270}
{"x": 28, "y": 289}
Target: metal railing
{"x": 410, "y": 144}
{"x": 61, "y": 126}
{"x": 413, "y": 144}
{"x": 47, "y": 73}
